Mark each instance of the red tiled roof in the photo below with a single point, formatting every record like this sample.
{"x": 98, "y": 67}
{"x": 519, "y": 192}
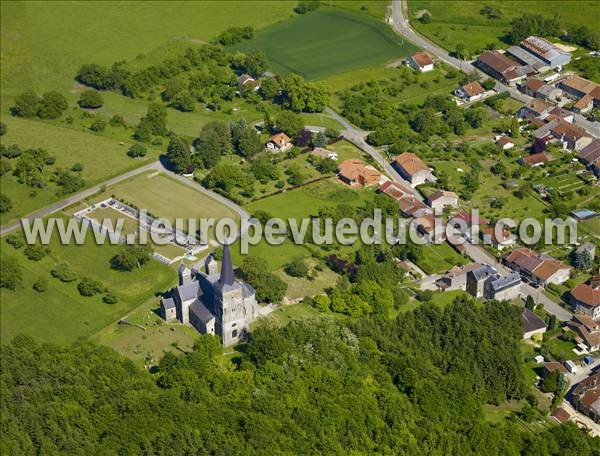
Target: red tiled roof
{"x": 281, "y": 139}
{"x": 560, "y": 415}
{"x": 534, "y": 84}
{"x": 411, "y": 163}
{"x": 473, "y": 88}
{"x": 498, "y": 62}
{"x": 587, "y": 295}
{"x": 422, "y": 59}
{"x": 535, "y": 159}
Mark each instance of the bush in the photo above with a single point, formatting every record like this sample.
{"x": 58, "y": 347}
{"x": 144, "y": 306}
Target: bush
{"x": 36, "y": 252}
{"x": 40, "y": 285}
{"x": 425, "y": 18}
{"x": 110, "y": 298}
{"x": 16, "y": 240}
{"x": 137, "y": 150}
{"x": 5, "y": 203}
{"x": 77, "y": 168}
{"x": 63, "y": 273}
{"x": 98, "y": 125}
{"x": 117, "y": 121}
{"x": 3, "y": 128}
{"x": 11, "y": 273}
{"x": 91, "y": 99}
{"x": 89, "y": 287}
{"x": 297, "y": 268}
{"x": 424, "y": 295}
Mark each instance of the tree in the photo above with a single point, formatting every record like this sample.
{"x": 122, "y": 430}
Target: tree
{"x": 264, "y": 169}
{"x": 110, "y": 298}
{"x": 530, "y": 303}
{"x": 6, "y": 203}
{"x": 208, "y": 148}
{"x": 304, "y": 138}
{"x": 137, "y": 150}
{"x": 514, "y": 127}
{"x": 16, "y": 240}
{"x": 11, "y": 273}
{"x": 320, "y": 140}
{"x": 249, "y": 143}
{"x": 89, "y": 287}
{"x": 550, "y": 383}
{"x": 178, "y": 153}
{"x": 290, "y": 123}
{"x": 91, "y": 99}
{"x": 461, "y": 51}
{"x": 52, "y": 105}
{"x": 297, "y": 268}
{"x": 183, "y": 101}
{"x": 269, "y": 287}
{"x": 298, "y": 95}
{"x": 27, "y": 105}
{"x": 584, "y": 260}
{"x": 143, "y": 131}
{"x": 305, "y": 6}
{"x": 489, "y": 84}
{"x": 131, "y": 256}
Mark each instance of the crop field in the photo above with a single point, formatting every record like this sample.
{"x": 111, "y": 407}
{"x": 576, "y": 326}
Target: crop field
{"x": 454, "y": 22}
{"x": 326, "y": 42}
{"x": 61, "y": 314}
{"x": 102, "y": 158}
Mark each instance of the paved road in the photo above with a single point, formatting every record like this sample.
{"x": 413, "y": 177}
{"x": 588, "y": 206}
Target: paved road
{"x": 478, "y": 254}
{"x": 402, "y": 26}
{"x": 357, "y": 137}
{"x": 157, "y": 166}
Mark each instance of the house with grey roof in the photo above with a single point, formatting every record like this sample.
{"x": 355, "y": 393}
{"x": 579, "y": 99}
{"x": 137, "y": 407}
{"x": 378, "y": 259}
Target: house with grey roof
{"x": 503, "y": 288}
{"x": 476, "y": 279}
{"x": 213, "y": 303}
{"x": 532, "y": 324}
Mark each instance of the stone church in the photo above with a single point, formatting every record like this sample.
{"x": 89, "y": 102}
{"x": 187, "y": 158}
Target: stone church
{"x": 212, "y": 302}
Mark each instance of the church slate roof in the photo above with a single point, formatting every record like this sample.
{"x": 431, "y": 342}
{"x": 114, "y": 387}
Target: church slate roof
{"x": 227, "y": 276}
{"x": 189, "y": 290}
{"x": 200, "y": 311}
{"x": 168, "y": 303}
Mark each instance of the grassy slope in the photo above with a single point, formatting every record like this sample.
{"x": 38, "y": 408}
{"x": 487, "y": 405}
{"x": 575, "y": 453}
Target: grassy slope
{"x": 455, "y": 22}
{"x": 326, "y": 42}
{"x": 101, "y": 158}
{"x": 61, "y": 314}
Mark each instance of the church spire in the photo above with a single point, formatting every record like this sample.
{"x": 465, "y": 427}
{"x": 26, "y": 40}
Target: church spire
{"x": 227, "y": 277}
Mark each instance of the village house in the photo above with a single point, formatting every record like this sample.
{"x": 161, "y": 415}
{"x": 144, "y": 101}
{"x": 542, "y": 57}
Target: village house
{"x": 564, "y": 134}
{"x": 456, "y": 277}
{"x": 408, "y": 203}
{"x": 539, "y": 89}
{"x": 440, "y": 199}
{"x": 535, "y": 159}
{"x": 560, "y": 415}
{"x": 279, "y": 143}
{"x": 212, "y": 303}
{"x": 427, "y": 227}
{"x": 421, "y": 61}
{"x": 535, "y": 108}
{"x": 504, "y": 142}
{"x": 558, "y": 113}
{"x": 357, "y": 173}
{"x": 502, "y": 68}
{"x": 534, "y": 326}
{"x": 470, "y": 92}
{"x": 590, "y": 157}
{"x": 585, "y": 299}
{"x": 476, "y": 279}
{"x": 489, "y": 237}
{"x": 586, "y": 397}
{"x": 578, "y": 87}
{"x": 325, "y": 153}
{"x": 249, "y": 82}
{"x": 413, "y": 169}
{"x": 537, "y": 269}
{"x": 587, "y": 330}
{"x": 503, "y": 288}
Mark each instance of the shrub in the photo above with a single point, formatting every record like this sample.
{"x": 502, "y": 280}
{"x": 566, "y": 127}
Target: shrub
{"x": 137, "y": 150}
{"x": 110, "y": 298}
{"x": 77, "y": 168}
{"x": 98, "y": 125}
{"x": 36, "y": 252}
{"x": 11, "y": 273}
{"x": 40, "y": 285}
{"x": 89, "y": 287}
{"x": 5, "y": 203}
{"x": 16, "y": 240}
{"x": 91, "y": 99}
{"x": 63, "y": 273}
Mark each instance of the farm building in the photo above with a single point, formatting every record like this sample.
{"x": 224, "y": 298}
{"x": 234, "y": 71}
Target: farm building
{"x": 357, "y": 173}
{"x": 545, "y": 51}
{"x": 534, "y": 325}
{"x": 502, "y": 68}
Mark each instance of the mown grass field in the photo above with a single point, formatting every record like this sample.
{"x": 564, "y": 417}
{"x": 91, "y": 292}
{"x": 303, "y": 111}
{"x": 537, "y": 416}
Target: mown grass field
{"x": 101, "y": 158}
{"x": 454, "y": 22}
{"x": 61, "y": 314}
{"x": 165, "y": 197}
{"x": 326, "y": 42}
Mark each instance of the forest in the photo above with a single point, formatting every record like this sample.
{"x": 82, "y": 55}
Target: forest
{"x": 414, "y": 385}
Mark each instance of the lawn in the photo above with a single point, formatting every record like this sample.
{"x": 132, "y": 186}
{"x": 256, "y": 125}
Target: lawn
{"x": 438, "y": 258}
{"x": 61, "y": 314}
{"x": 562, "y": 350}
{"x": 454, "y": 22}
{"x": 101, "y": 158}
{"x": 326, "y": 42}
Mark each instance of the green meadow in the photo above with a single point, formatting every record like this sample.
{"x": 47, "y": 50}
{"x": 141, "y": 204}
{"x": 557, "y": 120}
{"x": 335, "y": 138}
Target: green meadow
{"x": 61, "y": 314}
{"x": 326, "y": 42}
